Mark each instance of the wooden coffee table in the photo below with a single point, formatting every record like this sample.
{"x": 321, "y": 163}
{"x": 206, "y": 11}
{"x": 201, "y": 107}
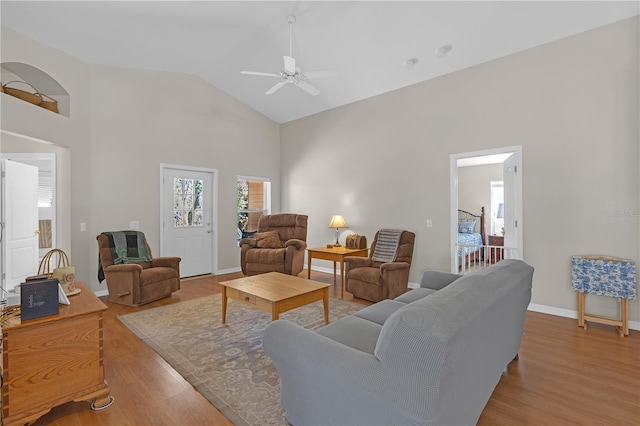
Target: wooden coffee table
{"x": 275, "y": 292}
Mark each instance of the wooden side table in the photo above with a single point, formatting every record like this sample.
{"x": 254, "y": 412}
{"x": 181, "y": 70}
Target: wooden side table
{"x": 52, "y": 360}
{"x": 334, "y": 254}
{"x": 495, "y": 254}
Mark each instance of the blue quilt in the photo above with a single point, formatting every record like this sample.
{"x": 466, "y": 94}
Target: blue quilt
{"x": 473, "y": 239}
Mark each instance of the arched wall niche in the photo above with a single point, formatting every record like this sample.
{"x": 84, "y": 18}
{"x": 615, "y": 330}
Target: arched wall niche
{"x": 43, "y": 82}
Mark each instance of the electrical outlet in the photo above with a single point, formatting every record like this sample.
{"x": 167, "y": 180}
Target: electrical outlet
{"x": 429, "y": 223}
{"x": 134, "y": 224}
{"x": 83, "y": 227}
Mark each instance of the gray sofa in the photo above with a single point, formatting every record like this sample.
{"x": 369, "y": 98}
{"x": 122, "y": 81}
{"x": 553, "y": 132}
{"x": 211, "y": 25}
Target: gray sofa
{"x": 432, "y": 356}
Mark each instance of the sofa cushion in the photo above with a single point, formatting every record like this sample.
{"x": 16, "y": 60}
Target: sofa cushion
{"x": 153, "y": 275}
{"x": 437, "y": 280}
{"x": 379, "y": 312}
{"x": 266, "y": 256}
{"x": 415, "y": 294}
{"x": 357, "y": 333}
{"x": 366, "y": 274}
{"x": 269, "y": 239}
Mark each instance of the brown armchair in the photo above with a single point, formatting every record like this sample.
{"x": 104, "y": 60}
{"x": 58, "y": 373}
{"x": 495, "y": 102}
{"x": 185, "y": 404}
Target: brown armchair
{"x": 278, "y": 246}
{"x": 370, "y": 280}
{"x": 135, "y": 284}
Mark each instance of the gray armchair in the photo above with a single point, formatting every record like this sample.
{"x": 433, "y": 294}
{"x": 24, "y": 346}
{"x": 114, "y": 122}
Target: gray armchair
{"x": 374, "y": 281}
{"x": 278, "y": 246}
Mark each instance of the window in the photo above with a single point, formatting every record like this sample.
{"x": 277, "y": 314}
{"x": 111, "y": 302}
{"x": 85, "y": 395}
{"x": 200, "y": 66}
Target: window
{"x": 187, "y": 202}
{"x": 254, "y": 200}
{"x": 497, "y": 198}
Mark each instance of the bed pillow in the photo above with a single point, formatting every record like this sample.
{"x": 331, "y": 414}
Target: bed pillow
{"x": 466, "y": 227}
{"x": 269, "y": 239}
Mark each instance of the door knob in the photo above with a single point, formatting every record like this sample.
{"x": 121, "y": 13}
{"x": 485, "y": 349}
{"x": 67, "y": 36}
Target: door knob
{"x": 37, "y": 232}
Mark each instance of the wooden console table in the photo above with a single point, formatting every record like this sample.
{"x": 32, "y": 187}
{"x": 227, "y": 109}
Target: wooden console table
{"x": 52, "y": 360}
{"x": 335, "y": 254}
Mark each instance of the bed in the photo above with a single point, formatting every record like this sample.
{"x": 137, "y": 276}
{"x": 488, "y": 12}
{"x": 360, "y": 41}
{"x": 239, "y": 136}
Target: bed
{"x": 471, "y": 236}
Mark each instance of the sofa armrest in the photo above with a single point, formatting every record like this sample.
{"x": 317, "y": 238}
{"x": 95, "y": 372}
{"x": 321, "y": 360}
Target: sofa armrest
{"x": 123, "y": 282}
{"x": 298, "y": 244}
{"x": 393, "y": 266}
{"x": 437, "y": 280}
{"x": 353, "y": 262}
{"x": 167, "y": 262}
{"x": 251, "y": 242}
{"x": 304, "y": 357}
{"x": 125, "y": 267}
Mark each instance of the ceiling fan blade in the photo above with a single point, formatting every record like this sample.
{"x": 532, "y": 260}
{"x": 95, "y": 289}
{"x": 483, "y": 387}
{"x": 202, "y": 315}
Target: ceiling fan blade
{"x": 318, "y": 74}
{"x": 265, "y": 74}
{"x": 308, "y": 88}
{"x": 289, "y": 65}
{"x": 275, "y": 88}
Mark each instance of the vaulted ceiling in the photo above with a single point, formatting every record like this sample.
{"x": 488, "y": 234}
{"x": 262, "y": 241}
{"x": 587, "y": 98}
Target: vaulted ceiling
{"x": 367, "y": 43}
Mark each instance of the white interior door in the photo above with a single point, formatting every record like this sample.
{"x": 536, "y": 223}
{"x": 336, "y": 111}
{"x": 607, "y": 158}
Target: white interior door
{"x": 19, "y": 230}
{"x": 512, "y": 207}
{"x": 187, "y": 218}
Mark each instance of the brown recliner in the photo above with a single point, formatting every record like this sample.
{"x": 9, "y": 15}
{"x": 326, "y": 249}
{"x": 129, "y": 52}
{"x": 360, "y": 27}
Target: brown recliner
{"x": 135, "y": 284}
{"x": 283, "y": 254}
{"x": 374, "y": 281}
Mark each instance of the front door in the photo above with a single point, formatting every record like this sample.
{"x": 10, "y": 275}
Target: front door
{"x": 19, "y": 227}
{"x": 187, "y": 218}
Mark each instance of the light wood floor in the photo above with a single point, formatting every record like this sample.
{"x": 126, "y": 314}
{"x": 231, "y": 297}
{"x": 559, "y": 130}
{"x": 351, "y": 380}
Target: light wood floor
{"x": 565, "y": 376}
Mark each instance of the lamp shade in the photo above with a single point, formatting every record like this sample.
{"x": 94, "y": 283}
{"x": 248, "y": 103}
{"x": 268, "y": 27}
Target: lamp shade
{"x": 500, "y": 214}
{"x": 337, "y": 221}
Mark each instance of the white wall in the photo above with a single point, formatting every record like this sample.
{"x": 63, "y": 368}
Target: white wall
{"x": 573, "y": 105}
{"x": 70, "y": 132}
{"x": 143, "y": 118}
{"x": 123, "y": 124}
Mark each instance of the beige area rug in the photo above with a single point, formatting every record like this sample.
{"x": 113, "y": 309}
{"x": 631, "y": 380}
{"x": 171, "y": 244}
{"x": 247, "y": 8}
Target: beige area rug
{"x": 225, "y": 362}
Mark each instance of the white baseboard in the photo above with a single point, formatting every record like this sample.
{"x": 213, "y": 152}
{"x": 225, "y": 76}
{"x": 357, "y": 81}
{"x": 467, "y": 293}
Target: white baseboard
{"x": 228, "y": 271}
{"x": 568, "y": 313}
{"x": 101, "y": 293}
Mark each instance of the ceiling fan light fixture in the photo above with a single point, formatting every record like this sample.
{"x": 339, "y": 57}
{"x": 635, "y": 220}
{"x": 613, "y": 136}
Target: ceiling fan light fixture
{"x": 442, "y": 51}
{"x": 291, "y": 73}
{"x": 411, "y": 62}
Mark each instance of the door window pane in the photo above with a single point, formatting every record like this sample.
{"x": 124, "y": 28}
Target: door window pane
{"x": 187, "y": 202}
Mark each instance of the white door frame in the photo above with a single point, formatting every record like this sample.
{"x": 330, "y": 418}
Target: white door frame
{"x": 214, "y": 207}
{"x": 453, "y": 197}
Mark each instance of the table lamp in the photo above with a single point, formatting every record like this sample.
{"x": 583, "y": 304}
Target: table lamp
{"x": 337, "y": 222}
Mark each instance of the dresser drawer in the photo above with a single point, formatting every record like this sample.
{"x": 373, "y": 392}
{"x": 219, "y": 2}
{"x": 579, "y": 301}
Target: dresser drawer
{"x": 241, "y": 295}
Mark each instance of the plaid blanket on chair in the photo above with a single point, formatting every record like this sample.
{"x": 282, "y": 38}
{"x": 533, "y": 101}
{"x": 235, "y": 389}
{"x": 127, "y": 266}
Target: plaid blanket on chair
{"x": 387, "y": 245}
{"x": 126, "y": 247}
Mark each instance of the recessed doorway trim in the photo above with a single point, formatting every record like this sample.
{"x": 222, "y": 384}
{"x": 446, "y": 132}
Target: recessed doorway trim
{"x": 454, "y": 161}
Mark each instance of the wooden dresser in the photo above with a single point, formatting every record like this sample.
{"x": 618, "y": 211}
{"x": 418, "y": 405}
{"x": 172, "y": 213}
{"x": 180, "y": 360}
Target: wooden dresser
{"x": 495, "y": 252}
{"x": 52, "y": 360}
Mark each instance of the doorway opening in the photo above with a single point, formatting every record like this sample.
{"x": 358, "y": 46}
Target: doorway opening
{"x": 46, "y": 164}
{"x": 473, "y": 187}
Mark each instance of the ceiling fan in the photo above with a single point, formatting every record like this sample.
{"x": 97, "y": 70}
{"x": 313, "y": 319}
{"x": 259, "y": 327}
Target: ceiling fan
{"x": 293, "y": 74}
